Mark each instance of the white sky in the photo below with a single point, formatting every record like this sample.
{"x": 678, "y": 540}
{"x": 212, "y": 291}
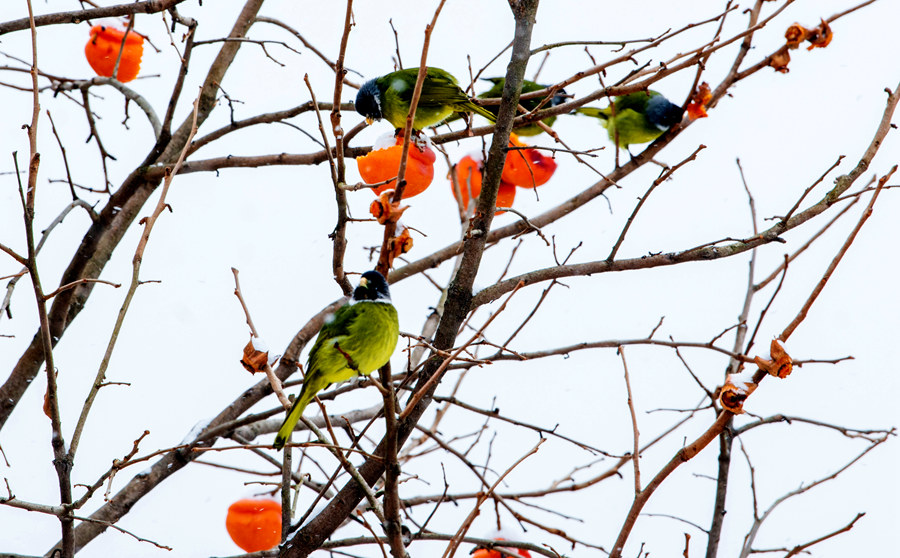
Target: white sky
{"x": 182, "y": 338}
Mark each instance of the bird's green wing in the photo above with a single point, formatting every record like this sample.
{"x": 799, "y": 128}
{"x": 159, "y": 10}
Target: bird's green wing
{"x": 360, "y": 338}
{"x": 625, "y": 119}
{"x": 528, "y": 86}
{"x": 441, "y": 90}
{"x": 631, "y": 127}
{"x": 336, "y": 326}
{"x": 338, "y": 323}
{"x": 634, "y": 101}
{"x": 495, "y": 92}
{"x": 496, "y": 89}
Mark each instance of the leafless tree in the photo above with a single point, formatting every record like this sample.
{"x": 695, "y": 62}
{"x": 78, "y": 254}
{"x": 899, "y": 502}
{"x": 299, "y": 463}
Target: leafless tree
{"x": 357, "y": 468}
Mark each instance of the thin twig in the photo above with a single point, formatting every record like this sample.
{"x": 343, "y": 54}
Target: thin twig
{"x": 62, "y": 462}
{"x": 148, "y": 222}
{"x": 802, "y": 547}
{"x": 837, "y": 259}
{"x": 338, "y": 167}
{"x": 67, "y": 286}
{"x": 435, "y": 378}
{"x": 467, "y": 522}
{"x": 663, "y": 176}
{"x": 635, "y": 454}
{"x": 270, "y": 374}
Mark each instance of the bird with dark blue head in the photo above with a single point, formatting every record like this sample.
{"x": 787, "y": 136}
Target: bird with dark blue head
{"x": 636, "y": 118}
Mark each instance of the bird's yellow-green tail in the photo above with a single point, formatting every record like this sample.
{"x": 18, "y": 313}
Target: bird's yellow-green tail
{"x": 598, "y": 113}
{"x": 478, "y": 109}
{"x": 309, "y": 390}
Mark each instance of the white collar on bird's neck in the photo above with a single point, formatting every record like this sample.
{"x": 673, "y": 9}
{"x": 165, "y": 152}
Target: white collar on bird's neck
{"x": 351, "y": 302}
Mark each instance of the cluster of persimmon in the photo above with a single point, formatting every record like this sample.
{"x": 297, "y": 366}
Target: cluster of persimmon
{"x": 254, "y": 524}
{"x": 102, "y": 51}
{"x": 525, "y": 167}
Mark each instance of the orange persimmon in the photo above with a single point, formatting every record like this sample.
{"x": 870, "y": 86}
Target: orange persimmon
{"x": 254, "y": 524}
{"x": 468, "y": 176}
{"x": 527, "y": 168}
{"x": 102, "y": 50}
{"x": 382, "y": 163}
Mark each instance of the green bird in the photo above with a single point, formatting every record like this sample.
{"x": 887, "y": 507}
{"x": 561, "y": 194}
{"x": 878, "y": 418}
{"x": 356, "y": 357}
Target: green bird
{"x": 496, "y": 91}
{"x": 389, "y": 97}
{"x": 358, "y": 339}
{"x": 636, "y": 118}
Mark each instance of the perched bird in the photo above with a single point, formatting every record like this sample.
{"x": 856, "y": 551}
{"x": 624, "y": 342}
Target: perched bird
{"x": 358, "y": 339}
{"x": 637, "y": 117}
{"x": 389, "y": 97}
{"x": 496, "y": 91}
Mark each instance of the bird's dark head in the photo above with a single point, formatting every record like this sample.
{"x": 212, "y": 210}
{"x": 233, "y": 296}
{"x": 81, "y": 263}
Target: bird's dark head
{"x": 661, "y": 113}
{"x": 560, "y": 98}
{"x": 368, "y": 102}
{"x": 372, "y": 286}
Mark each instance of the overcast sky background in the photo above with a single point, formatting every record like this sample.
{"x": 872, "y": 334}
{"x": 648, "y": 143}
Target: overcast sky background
{"x": 182, "y": 338}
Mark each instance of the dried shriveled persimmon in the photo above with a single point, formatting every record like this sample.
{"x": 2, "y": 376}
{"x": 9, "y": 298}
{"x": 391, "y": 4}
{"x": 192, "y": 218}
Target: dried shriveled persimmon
{"x": 781, "y": 364}
{"x": 254, "y": 524}
{"x": 256, "y": 355}
{"x": 821, "y": 36}
{"x": 527, "y": 168}
{"x": 383, "y": 163}
{"x": 400, "y": 244}
{"x": 384, "y": 210}
{"x": 795, "y": 35}
{"x": 701, "y": 97}
{"x": 102, "y": 51}
{"x": 780, "y": 60}
{"x": 736, "y": 390}
{"x": 468, "y": 176}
